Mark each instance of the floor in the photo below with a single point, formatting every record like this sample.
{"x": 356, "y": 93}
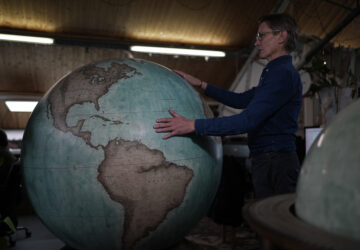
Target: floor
{"x": 41, "y": 238}
{"x": 207, "y": 235}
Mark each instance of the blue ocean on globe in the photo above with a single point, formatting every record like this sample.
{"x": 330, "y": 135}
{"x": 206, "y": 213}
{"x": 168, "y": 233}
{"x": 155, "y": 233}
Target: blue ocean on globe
{"x": 96, "y": 172}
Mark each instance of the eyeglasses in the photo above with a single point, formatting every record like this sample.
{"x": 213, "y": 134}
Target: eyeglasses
{"x": 261, "y": 35}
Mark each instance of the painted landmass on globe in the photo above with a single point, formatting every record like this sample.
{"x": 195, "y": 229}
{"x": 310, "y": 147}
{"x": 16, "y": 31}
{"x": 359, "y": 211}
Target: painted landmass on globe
{"x": 146, "y": 205}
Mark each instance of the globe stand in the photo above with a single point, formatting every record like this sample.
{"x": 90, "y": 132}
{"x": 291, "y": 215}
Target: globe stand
{"x": 275, "y": 221}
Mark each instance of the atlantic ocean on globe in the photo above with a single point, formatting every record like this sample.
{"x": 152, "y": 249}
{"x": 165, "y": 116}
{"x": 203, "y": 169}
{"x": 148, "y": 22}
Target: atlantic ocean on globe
{"x": 98, "y": 175}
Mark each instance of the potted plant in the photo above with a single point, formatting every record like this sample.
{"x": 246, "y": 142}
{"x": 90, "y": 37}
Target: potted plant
{"x": 323, "y": 84}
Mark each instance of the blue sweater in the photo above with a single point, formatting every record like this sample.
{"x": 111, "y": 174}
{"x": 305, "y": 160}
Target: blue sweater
{"x": 271, "y": 109}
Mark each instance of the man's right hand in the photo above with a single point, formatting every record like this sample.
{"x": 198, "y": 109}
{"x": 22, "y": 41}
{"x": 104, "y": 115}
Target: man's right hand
{"x": 191, "y": 80}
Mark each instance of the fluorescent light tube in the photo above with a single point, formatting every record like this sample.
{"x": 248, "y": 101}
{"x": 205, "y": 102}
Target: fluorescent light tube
{"x": 26, "y": 39}
{"x": 21, "y": 106}
{"x": 177, "y": 51}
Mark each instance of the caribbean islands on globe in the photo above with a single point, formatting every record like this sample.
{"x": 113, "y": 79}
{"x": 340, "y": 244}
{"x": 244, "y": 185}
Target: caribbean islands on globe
{"x": 96, "y": 172}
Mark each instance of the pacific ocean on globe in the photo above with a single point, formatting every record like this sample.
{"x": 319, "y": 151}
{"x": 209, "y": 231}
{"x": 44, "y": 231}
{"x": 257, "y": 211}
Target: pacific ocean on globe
{"x": 96, "y": 172}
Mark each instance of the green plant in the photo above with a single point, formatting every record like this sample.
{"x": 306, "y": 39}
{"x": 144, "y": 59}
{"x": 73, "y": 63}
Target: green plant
{"x": 8, "y": 222}
{"x": 322, "y": 78}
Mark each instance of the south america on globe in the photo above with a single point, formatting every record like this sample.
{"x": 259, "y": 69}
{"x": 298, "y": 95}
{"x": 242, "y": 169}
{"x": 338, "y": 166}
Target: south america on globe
{"x": 96, "y": 172}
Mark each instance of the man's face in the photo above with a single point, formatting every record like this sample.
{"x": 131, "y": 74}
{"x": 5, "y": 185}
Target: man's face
{"x": 270, "y": 43}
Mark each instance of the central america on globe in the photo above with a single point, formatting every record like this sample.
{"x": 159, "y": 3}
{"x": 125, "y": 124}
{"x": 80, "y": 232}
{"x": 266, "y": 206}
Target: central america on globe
{"x": 100, "y": 177}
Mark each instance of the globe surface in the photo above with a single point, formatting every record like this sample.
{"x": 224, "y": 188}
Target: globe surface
{"x": 96, "y": 172}
{"x": 328, "y": 191}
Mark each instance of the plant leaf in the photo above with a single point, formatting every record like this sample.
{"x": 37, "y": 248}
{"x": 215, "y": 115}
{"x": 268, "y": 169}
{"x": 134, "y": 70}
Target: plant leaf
{"x": 9, "y": 222}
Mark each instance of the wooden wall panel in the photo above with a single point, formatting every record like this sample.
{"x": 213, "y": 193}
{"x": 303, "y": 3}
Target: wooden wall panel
{"x": 33, "y": 69}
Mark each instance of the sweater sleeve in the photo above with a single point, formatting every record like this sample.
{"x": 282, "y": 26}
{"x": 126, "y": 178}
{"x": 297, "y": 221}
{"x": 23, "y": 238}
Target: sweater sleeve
{"x": 229, "y": 98}
{"x": 275, "y": 90}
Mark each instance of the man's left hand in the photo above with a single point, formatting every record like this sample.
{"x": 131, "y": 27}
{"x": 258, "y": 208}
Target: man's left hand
{"x": 177, "y": 125}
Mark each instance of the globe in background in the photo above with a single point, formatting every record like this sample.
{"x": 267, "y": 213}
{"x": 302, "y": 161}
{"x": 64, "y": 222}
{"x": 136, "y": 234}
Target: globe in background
{"x": 328, "y": 190}
{"x": 98, "y": 175}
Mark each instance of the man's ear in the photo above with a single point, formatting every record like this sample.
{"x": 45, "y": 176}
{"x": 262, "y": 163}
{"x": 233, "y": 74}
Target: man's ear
{"x": 282, "y": 36}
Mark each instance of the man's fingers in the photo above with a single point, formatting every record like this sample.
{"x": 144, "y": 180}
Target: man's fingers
{"x": 168, "y": 135}
{"x": 180, "y": 73}
{"x": 173, "y": 113}
{"x": 162, "y": 125}
{"x": 163, "y": 120}
{"x": 166, "y": 129}
{"x": 161, "y": 130}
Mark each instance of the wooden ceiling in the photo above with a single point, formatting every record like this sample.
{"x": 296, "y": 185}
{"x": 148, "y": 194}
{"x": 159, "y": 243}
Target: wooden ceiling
{"x": 93, "y": 30}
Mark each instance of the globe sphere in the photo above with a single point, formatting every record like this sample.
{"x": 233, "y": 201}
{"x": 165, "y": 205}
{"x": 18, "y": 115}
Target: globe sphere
{"x": 328, "y": 191}
{"x": 96, "y": 172}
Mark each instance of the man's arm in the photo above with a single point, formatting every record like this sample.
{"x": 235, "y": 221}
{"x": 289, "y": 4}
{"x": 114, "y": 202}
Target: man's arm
{"x": 274, "y": 92}
{"x": 229, "y": 98}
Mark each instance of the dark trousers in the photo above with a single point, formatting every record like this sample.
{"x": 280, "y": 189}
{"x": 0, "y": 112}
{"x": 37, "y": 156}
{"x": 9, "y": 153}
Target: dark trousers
{"x": 274, "y": 173}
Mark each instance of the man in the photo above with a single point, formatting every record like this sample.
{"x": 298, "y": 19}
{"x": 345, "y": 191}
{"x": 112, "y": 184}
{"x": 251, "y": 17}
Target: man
{"x": 270, "y": 115}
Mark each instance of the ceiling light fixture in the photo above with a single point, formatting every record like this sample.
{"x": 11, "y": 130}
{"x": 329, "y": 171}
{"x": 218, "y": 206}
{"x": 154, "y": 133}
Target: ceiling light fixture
{"x": 26, "y": 39}
{"x": 21, "y": 106}
{"x": 178, "y": 51}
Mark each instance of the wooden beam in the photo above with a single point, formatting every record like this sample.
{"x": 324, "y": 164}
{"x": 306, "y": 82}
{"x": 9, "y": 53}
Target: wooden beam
{"x": 23, "y": 96}
{"x": 348, "y": 19}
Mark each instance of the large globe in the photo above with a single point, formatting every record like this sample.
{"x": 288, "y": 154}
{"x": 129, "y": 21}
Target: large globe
{"x": 98, "y": 175}
{"x": 328, "y": 191}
